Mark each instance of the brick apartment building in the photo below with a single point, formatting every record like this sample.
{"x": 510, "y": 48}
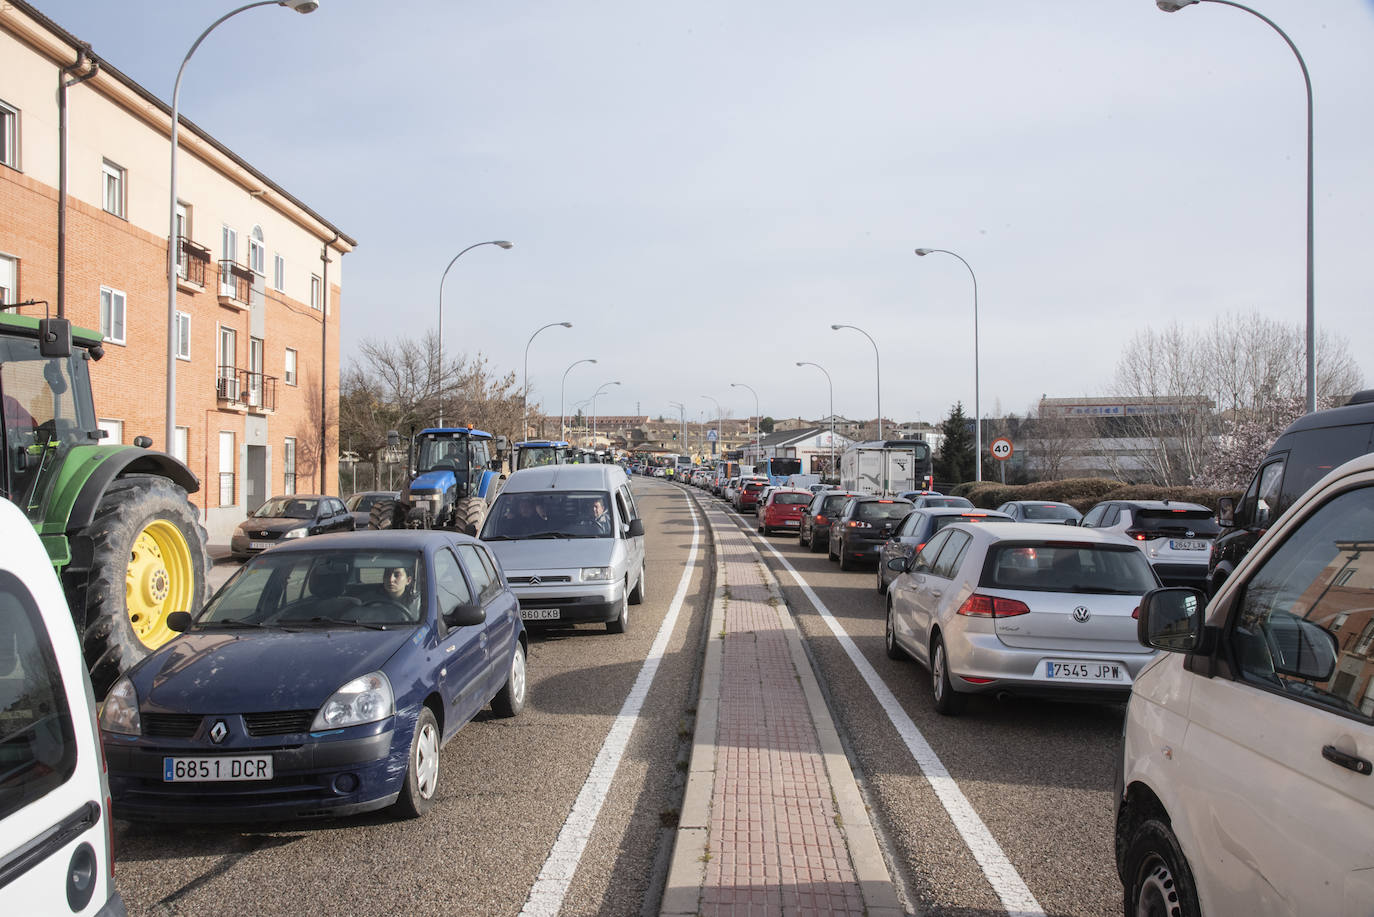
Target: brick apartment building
{"x": 257, "y": 331}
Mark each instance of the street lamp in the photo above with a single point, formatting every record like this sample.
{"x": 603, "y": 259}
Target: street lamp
{"x": 1173, "y": 6}
{"x": 877, "y": 368}
{"x": 502, "y": 244}
{"x": 604, "y": 385}
{"x": 832, "y": 408}
{"x": 720, "y": 422}
{"x": 977, "y": 414}
{"x": 758, "y": 438}
{"x": 682, "y": 415}
{"x": 525, "y": 390}
{"x": 300, "y": 6}
{"x": 562, "y": 419}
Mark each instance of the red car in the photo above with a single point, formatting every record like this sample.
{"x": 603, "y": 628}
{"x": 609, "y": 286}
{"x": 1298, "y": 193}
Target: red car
{"x": 749, "y": 496}
{"x": 783, "y": 510}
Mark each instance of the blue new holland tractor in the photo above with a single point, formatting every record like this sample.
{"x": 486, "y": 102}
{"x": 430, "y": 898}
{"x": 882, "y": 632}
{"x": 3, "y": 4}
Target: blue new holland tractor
{"x": 454, "y": 478}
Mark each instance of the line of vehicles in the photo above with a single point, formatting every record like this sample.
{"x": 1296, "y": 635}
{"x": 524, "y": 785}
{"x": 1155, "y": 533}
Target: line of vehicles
{"x": 1243, "y": 644}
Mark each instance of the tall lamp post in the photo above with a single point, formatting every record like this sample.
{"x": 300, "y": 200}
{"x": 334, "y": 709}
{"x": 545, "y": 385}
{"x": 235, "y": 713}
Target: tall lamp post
{"x": 832, "y": 408}
{"x": 562, "y": 418}
{"x": 525, "y": 389}
{"x": 300, "y": 6}
{"x": 877, "y": 369}
{"x": 1173, "y": 6}
{"x": 977, "y": 413}
{"x": 604, "y": 386}
{"x": 758, "y": 438}
{"x": 682, "y": 417}
{"x": 500, "y": 243}
{"x": 720, "y": 421}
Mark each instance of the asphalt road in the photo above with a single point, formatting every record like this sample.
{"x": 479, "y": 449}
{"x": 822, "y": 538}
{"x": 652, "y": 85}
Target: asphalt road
{"x": 1038, "y": 774}
{"x": 506, "y": 788}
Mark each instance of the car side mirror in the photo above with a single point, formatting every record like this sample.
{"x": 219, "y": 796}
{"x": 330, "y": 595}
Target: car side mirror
{"x": 179, "y": 621}
{"x": 898, "y": 564}
{"x": 1226, "y": 511}
{"x": 465, "y": 615}
{"x": 1171, "y": 619}
{"x": 1302, "y": 648}
{"x": 636, "y": 528}
{"x": 1071, "y": 521}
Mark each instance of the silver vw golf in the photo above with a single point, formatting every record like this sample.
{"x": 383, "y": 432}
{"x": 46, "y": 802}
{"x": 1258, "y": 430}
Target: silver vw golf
{"x": 1017, "y": 608}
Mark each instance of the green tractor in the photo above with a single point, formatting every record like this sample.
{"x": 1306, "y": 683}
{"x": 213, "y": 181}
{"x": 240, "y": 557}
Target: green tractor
{"x": 124, "y": 538}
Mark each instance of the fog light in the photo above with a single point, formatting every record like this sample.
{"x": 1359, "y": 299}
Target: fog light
{"x": 345, "y": 784}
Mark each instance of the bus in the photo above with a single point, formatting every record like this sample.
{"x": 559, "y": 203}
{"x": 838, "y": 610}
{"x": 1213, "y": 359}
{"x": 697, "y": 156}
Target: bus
{"x": 779, "y": 469}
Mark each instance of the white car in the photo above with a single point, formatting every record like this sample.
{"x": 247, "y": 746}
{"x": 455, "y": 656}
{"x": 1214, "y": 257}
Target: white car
{"x": 1177, "y": 537}
{"x": 1245, "y": 785}
{"x": 55, "y": 855}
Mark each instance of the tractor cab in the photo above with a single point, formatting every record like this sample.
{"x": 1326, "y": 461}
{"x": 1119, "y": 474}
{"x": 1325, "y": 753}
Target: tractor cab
{"x": 536, "y": 453}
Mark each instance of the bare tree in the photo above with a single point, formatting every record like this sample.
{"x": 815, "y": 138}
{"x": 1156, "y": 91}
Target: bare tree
{"x": 1052, "y": 441}
{"x": 309, "y": 433}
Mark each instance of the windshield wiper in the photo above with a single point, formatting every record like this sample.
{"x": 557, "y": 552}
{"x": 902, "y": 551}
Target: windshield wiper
{"x": 501, "y": 538}
{"x": 561, "y": 535}
{"x": 231, "y": 623}
{"x": 369, "y": 625}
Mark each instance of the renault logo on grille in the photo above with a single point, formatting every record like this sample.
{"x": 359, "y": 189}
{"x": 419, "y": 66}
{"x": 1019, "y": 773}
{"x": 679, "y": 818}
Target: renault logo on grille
{"x": 1081, "y": 614}
{"x": 218, "y": 732}
{"x": 535, "y": 581}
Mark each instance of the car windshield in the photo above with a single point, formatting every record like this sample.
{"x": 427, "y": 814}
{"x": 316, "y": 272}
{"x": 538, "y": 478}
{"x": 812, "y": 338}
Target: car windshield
{"x": 792, "y": 499}
{"x": 945, "y": 501}
{"x": 536, "y": 456}
{"x": 549, "y": 514}
{"x": 321, "y": 589}
{"x": 881, "y": 510}
{"x": 1068, "y": 567}
{"x": 1048, "y": 511}
{"x": 362, "y": 503}
{"x": 287, "y": 508}
{"x": 1176, "y": 522}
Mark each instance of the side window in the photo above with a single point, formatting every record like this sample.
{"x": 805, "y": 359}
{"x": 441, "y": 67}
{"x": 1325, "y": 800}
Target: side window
{"x": 1303, "y": 624}
{"x": 910, "y": 524}
{"x": 931, "y": 551}
{"x": 947, "y": 564}
{"x": 1316, "y": 452}
{"x": 448, "y": 579}
{"x": 1094, "y": 517}
{"x": 1263, "y": 500}
{"x": 1111, "y": 516}
{"x": 490, "y": 567}
{"x": 481, "y": 579}
{"x": 37, "y": 741}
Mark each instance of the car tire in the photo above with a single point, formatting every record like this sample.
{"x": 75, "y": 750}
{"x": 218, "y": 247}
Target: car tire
{"x": 811, "y": 544}
{"x": 510, "y": 700}
{"x": 622, "y": 620}
{"x": 422, "y": 768}
{"x": 882, "y": 587}
{"x": 469, "y": 515}
{"x": 1158, "y": 879}
{"x": 846, "y": 562}
{"x": 830, "y": 550}
{"x": 948, "y": 702}
{"x": 387, "y": 514}
{"x": 802, "y": 540}
{"x": 637, "y": 593}
{"x": 894, "y": 650}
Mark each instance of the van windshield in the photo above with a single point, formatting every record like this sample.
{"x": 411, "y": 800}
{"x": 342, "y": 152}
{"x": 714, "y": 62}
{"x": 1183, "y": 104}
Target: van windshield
{"x": 549, "y": 514}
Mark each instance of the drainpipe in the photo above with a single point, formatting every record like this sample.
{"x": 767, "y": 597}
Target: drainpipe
{"x": 82, "y": 59}
{"x": 324, "y": 335}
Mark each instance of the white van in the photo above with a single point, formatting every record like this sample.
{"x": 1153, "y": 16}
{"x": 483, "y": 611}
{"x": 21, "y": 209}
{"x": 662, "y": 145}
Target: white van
{"x": 1246, "y": 784}
{"x": 571, "y": 542}
{"x": 55, "y": 848}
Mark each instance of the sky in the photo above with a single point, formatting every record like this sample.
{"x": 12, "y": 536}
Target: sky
{"x": 704, "y": 188}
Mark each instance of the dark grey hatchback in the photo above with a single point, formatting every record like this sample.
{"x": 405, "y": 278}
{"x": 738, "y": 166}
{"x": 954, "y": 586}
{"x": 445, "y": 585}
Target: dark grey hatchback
{"x": 287, "y": 518}
{"x": 861, "y": 529}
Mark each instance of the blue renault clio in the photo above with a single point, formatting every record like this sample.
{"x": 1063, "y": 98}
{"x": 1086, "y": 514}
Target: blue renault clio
{"x": 321, "y": 680}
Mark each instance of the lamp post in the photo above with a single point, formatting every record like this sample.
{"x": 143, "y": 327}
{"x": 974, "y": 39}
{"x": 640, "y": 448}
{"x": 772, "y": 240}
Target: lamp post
{"x": 502, "y": 244}
{"x": 1173, "y": 6}
{"x": 525, "y": 389}
{"x": 682, "y": 416}
{"x": 300, "y": 6}
{"x": 977, "y": 413}
{"x": 720, "y": 422}
{"x": 832, "y": 408}
{"x": 877, "y": 369}
{"x": 594, "y": 394}
{"x": 562, "y": 419}
{"x": 758, "y": 438}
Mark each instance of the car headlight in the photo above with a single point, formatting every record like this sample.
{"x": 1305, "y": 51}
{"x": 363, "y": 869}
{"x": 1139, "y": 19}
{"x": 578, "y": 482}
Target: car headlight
{"x": 363, "y": 700}
{"x": 596, "y": 574}
{"x": 298, "y": 532}
{"x": 119, "y": 712}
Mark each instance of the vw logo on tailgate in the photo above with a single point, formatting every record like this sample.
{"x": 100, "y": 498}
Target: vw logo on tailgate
{"x": 1081, "y": 614}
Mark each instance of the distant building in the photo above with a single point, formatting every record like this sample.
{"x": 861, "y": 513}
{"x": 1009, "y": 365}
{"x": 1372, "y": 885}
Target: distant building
{"x": 813, "y": 446}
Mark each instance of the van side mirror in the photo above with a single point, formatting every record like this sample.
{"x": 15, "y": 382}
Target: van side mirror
{"x": 465, "y": 615}
{"x": 1171, "y": 619}
{"x": 1226, "y": 511}
{"x": 636, "y": 528}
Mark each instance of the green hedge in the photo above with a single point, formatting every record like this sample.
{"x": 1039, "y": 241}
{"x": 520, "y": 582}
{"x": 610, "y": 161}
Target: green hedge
{"x": 1084, "y": 493}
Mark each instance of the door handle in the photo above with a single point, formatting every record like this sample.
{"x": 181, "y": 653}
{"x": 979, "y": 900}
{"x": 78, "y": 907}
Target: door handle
{"x": 1353, "y": 762}
{"x": 935, "y": 593}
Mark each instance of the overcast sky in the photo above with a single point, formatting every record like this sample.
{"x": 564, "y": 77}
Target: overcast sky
{"x": 704, "y": 188}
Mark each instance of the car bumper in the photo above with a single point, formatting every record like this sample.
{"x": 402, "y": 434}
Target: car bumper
{"x": 243, "y": 546}
{"x": 330, "y": 777}
{"x": 578, "y": 604}
{"x": 1176, "y": 574}
{"x": 1002, "y": 669}
{"x": 863, "y": 548}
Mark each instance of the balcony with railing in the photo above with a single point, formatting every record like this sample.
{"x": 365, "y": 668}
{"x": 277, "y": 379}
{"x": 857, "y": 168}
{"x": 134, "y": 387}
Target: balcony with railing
{"x": 192, "y": 259}
{"x": 245, "y": 391}
{"x": 235, "y": 285}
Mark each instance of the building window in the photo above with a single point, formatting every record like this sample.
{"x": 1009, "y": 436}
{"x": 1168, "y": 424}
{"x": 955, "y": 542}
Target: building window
{"x": 183, "y": 236}
{"x": 257, "y": 254}
{"x": 9, "y": 136}
{"x": 183, "y": 335}
{"x": 290, "y": 366}
{"x": 113, "y": 430}
{"x": 229, "y": 251}
{"x": 9, "y": 280}
{"x": 254, "y": 371}
{"x": 114, "y": 182}
{"x": 226, "y": 468}
{"x": 314, "y": 292}
{"x": 112, "y": 315}
{"x": 278, "y": 273}
{"x": 180, "y": 446}
{"x": 288, "y": 464}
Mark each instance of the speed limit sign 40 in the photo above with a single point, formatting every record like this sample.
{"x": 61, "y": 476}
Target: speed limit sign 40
{"x": 1001, "y": 448}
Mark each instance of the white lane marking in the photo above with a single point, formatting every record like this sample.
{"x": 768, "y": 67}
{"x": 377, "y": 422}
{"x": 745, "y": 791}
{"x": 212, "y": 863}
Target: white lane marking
{"x": 546, "y": 896}
{"x": 1001, "y": 874}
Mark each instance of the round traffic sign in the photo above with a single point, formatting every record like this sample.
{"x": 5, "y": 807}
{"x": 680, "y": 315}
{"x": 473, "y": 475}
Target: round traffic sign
{"x": 1001, "y": 448}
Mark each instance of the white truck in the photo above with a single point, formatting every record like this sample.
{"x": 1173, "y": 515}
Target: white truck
{"x": 886, "y": 467}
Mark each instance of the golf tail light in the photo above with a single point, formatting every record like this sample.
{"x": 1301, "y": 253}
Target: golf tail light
{"x": 989, "y": 606}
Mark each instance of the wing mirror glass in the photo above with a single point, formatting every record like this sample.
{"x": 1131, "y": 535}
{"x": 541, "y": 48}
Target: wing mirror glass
{"x": 1171, "y": 619}
{"x": 1226, "y": 511}
{"x": 898, "y": 564}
